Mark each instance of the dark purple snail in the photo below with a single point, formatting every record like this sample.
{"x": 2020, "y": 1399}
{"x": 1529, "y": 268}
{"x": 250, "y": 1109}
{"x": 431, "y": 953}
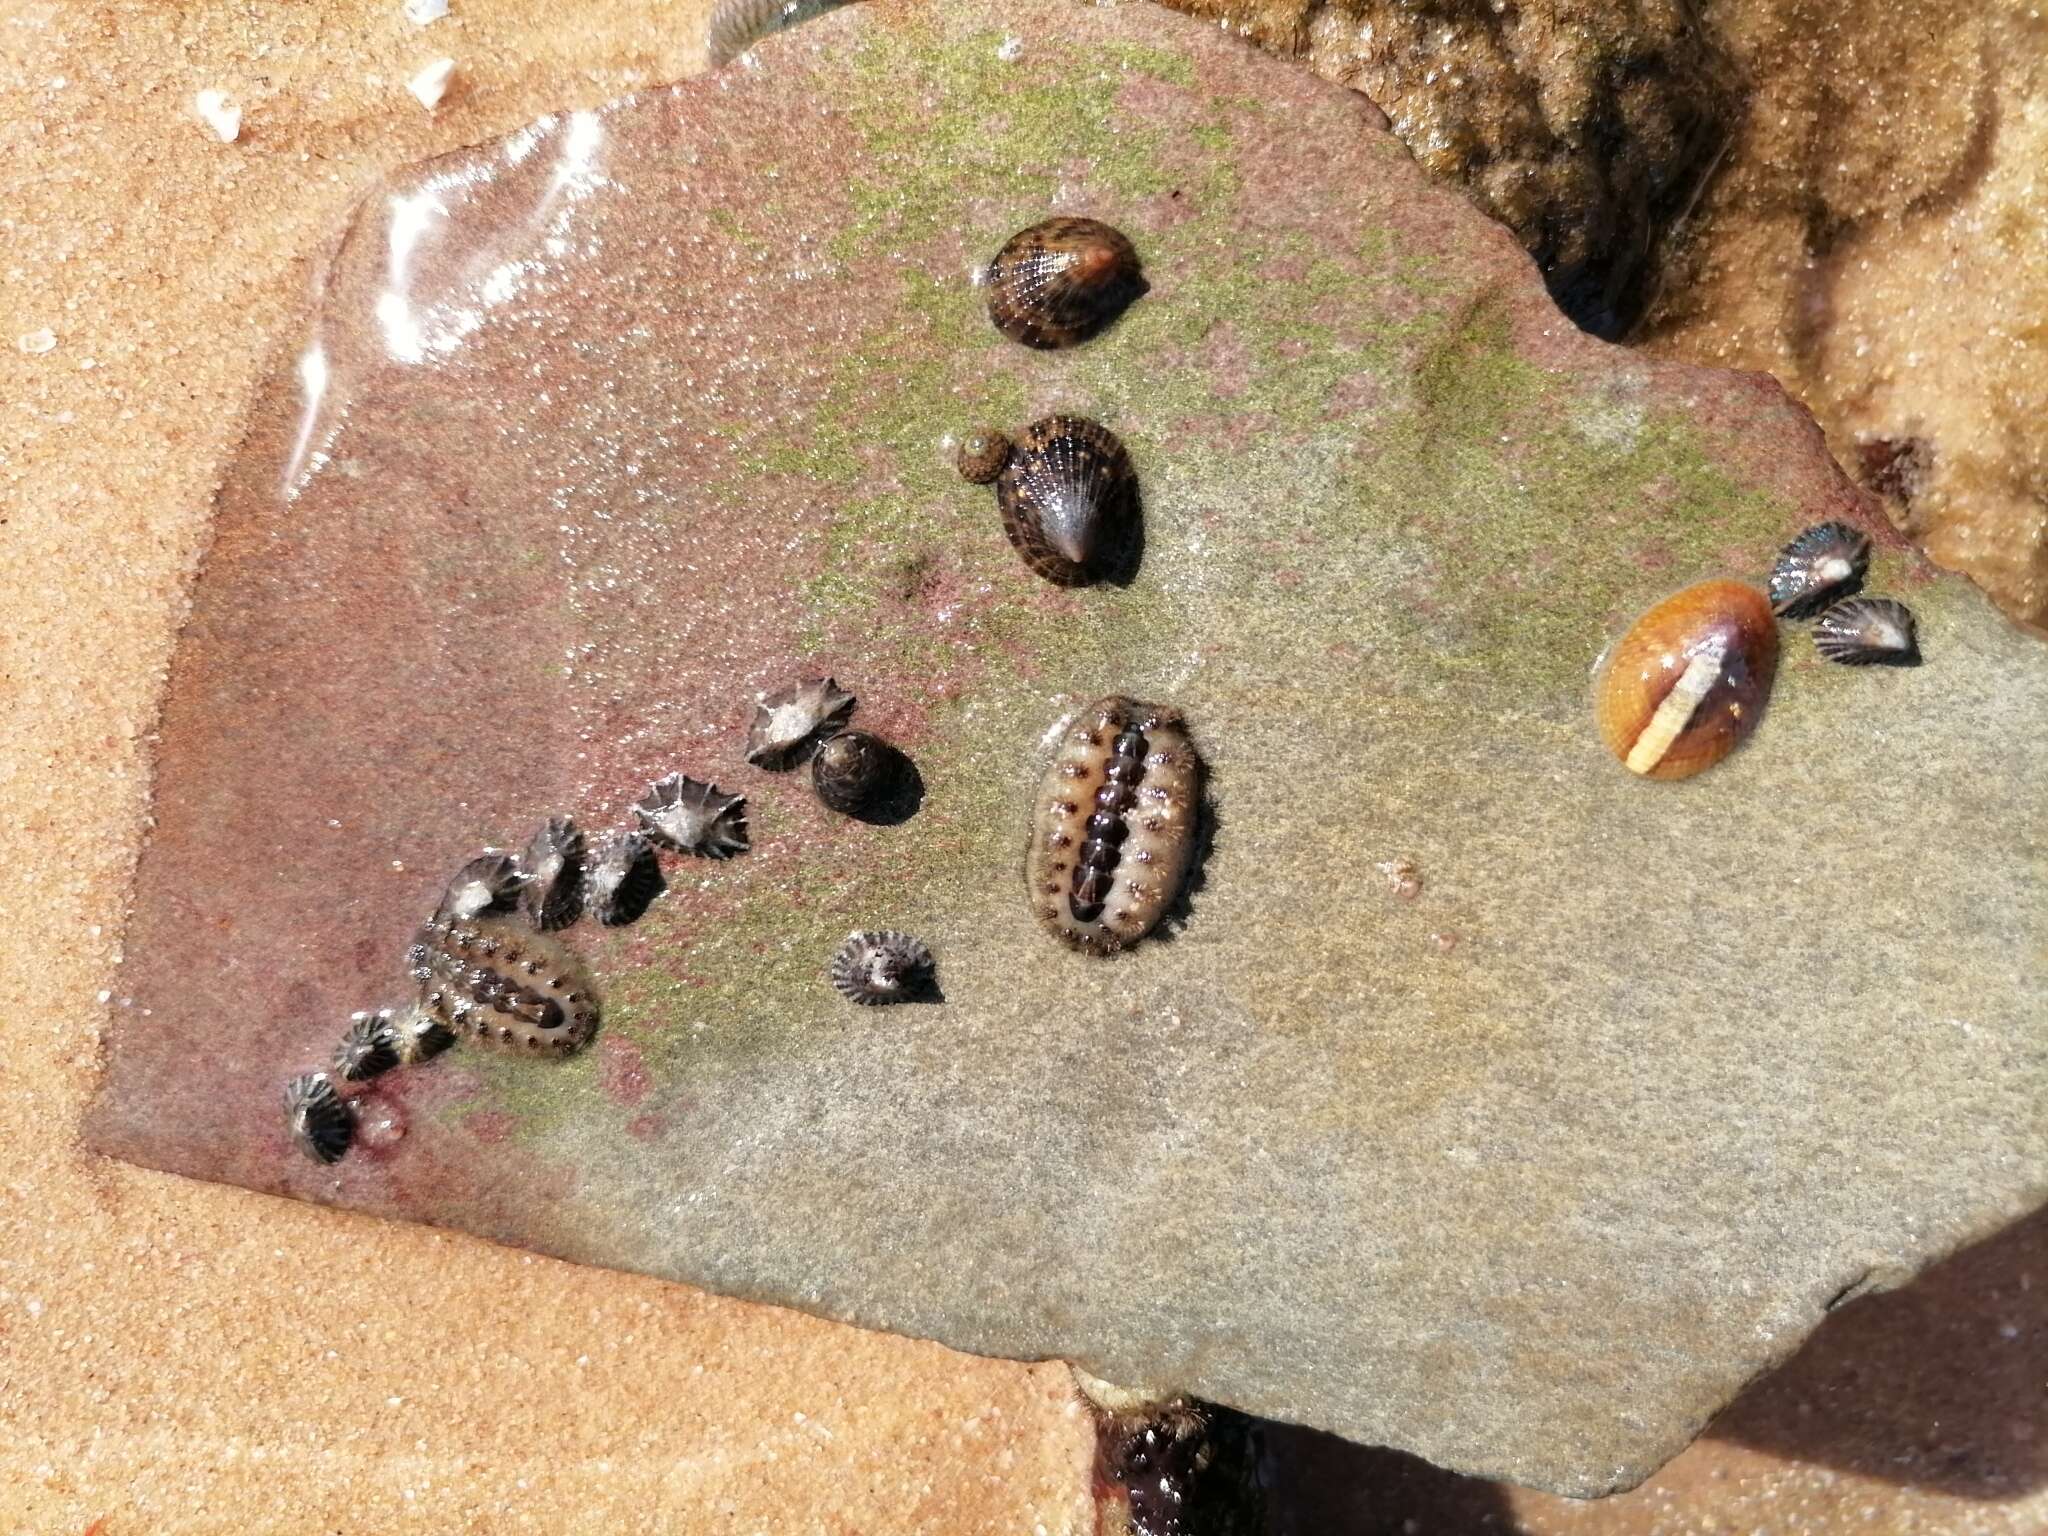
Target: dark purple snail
{"x": 876, "y": 968}
{"x": 624, "y": 878}
{"x": 322, "y": 1122}
{"x": 1059, "y": 282}
{"x": 1069, "y": 501}
{"x": 690, "y": 816}
{"x": 553, "y": 894}
{"x": 855, "y": 773}
{"x": 1825, "y": 562}
{"x": 1113, "y": 833}
{"x": 502, "y": 983}
{"x": 1868, "y": 631}
{"x": 787, "y": 721}
{"x": 369, "y": 1049}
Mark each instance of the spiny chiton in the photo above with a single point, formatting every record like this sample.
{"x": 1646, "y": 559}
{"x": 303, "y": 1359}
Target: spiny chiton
{"x": 1069, "y": 500}
{"x": 1825, "y": 562}
{"x": 497, "y": 981}
{"x": 1687, "y": 683}
{"x": 1868, "y": 631}
{"x": 1113, "y": 831}
{"x": 1059, "y": 282}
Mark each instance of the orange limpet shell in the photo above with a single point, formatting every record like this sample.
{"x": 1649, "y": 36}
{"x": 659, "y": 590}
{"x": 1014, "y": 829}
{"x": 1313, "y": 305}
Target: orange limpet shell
{"x": 1688, "y": 682}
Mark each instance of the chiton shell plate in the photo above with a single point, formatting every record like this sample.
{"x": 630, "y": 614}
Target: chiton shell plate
{"x": 1114, "y": 827}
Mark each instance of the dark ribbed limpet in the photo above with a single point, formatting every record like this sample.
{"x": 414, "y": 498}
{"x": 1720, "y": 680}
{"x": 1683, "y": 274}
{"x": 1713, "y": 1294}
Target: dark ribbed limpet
{"x": 370, "y": 1048}
{"x": 624, "y": 879}
{"x": 1825, "y": 562}
{"x": 322, "y": 1122}
{"x": 1069, "y": 501}
{"x": 982, "y": 455}
{"x": 787, "y": 721}
{"x": 1868, "y": 631}
{"x": 553, "y": 894}
{"x": 420, "y": 1035}
{"x": 502, "y": 983}
{"x": 690, "y": 816}
{"x": 1688, "y": 682}
{"x": 1061, "y": 281}
{"x": 873, "y": 968}
{"x": 854, "y": 772}
{"x": 1113, "y": 832}
{"x": 490, "y": 882}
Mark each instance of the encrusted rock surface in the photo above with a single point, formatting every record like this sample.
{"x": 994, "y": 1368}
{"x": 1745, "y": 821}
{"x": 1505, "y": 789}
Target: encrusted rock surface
{"x": 1586, "y": 126}
{"x": 642, "y": 411}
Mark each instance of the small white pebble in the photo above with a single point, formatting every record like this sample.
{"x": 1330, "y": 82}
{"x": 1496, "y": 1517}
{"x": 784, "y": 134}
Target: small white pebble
{"x": 420, "y": 12}
{"x": 220, "y": 112}
{"x": 105, "y": 995}
{"x": 431, "y": 83}
{"x": 44, "y": 340}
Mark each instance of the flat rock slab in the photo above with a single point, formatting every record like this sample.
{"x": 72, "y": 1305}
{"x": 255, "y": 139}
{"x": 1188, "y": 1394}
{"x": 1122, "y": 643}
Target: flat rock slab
{"x": 605, "y": 427}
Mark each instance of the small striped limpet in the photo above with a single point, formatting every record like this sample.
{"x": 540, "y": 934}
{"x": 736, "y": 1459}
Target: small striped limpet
{"x": 1825, "y": 562}
{"x": 624, "y": 878}
{"x": 1868, "y": 631}
{"x": 369, "y": 1049}
{"x": 1069, "y": 501}
{"x": 690, "y": 816}
{"x": 322, "y": 1122}
{"x": 1687, "y": 683}
{"x": 876, "y": 968}
{"x": 1113, "y": 830}
{"x": 553, "y": 894}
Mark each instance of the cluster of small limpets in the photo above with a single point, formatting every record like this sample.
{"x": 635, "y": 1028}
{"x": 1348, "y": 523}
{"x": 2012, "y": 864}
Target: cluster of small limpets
{"x": 487, "y": 966}
{"x": 1688, "y": 681}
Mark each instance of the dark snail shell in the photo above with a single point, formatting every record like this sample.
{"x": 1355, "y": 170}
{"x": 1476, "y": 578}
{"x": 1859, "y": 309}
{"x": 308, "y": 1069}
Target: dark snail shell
{"x": 982, "y": 455}
{"x": 874, "y": 968}
{"x": 490, "y": 882}
{"x": 691, "y": 816}
{"x": 323, "y": 1123}
{"x": 786, "y": 721}
{"x": 369, "y": 1049}
{"x": 854, "y": 771}
{"x": 1868, "y": 631}
{"x": 1059, "y": 282}
{"x": 624, "y": 879}
{"x": 553, "y": 894}
{"x": 1824, "y": 563}
{"x": 1069, "y": 501}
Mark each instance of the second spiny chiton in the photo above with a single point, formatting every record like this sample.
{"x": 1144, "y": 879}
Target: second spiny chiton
{"x": 1113, "y": 830}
